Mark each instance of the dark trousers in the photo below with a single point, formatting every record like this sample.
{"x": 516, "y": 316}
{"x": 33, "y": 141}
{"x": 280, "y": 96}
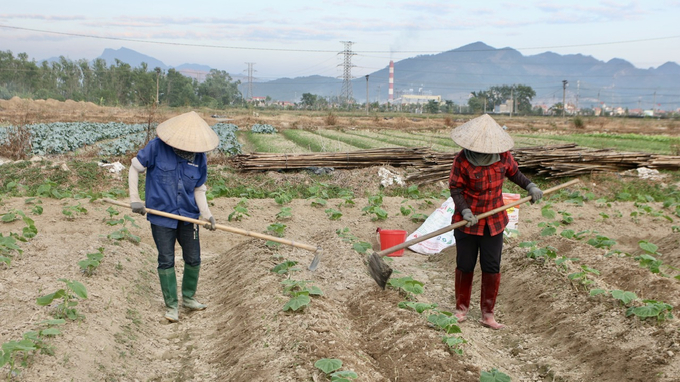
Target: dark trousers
{"x": 187, "y": 237}
{"x": 488, "y": 247}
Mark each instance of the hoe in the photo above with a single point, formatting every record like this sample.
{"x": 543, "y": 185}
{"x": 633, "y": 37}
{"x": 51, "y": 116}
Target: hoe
{"x": 381, "y": 272}
{"x": 312, "y": 266}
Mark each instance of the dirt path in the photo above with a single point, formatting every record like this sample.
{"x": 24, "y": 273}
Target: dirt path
{"x": 556, "y": 331}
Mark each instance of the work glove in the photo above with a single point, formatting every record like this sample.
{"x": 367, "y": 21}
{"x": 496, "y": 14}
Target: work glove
{"x": 211, "y": 225}
{"x": 535, "y": 193}
{"x": 471, "y": 219}
{"x": 138, "y": 208}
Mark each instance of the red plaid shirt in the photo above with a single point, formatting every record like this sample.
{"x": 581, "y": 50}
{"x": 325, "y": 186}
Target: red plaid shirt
{"x": 482, "y": 189}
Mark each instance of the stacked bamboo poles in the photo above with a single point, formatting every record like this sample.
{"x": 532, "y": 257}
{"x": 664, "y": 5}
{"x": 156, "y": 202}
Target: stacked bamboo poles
{"x": 341, "y": 160}
{"x": 565, "y": 160}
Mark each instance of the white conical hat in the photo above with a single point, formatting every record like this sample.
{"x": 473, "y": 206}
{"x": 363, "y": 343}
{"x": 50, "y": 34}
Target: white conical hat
{"x": 188, "y": 132}
{"x": 483, "y": 135}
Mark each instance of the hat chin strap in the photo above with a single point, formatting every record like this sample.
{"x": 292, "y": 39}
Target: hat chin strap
{"x": 481, "y": 159}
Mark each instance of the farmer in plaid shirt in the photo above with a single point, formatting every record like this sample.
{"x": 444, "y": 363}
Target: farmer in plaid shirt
{"x": 476, "y": 184}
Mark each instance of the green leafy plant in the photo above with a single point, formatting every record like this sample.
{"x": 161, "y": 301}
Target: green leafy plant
{"x": 418, "y": 307}
{"x": 549, "y": 228}
{"x": 375, "y": 207}
{"x": 124, "y": 233}
{"x": 445, "y": 321}
{"x": 651, "y": 309}
{"x": 277, "y": 229}
{"x": 347, "y": 196}
{"x": 346, "y": 235}
{"x": 72, "y": 211}
{"x": 299, "y": 293}
{"x": 362, "y": 247}
{"x": 8, "y": 246}
{"x": 89, "y": 265}
{"x": 407, "y": 285}
{"x": 319, "y": 194}
{"x": 582, "y": 276}
{"x": 600, "y": 241}
{"x": 454, "y": 343}
{"x": 282, "y": 197}
{"x": 285, "y": 213}
{"x": 240, "y": 210}
{"x": 535, "y": 252}
{"x": 494, "y": 376}
{"x": 285, "y": 267}
{"x": 331, "y": 367}
{"x": 333, "y": 214}
{"x": 14, "y": 353}
{"x": 566, "y": 217}
{"x": 68, "y": 299}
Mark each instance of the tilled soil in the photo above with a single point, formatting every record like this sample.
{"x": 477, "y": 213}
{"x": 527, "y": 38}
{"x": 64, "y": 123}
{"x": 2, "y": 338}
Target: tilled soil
{"x": 555, "y": 330}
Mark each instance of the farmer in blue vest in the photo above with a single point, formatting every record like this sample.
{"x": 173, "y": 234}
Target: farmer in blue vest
{"x": 176, "y": 171}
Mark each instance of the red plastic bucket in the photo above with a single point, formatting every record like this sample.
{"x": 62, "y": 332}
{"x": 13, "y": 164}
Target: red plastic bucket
{"x": 391, "y": 237}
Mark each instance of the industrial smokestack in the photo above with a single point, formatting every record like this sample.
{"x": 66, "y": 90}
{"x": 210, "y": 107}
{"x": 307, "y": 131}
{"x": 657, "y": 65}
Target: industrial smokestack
{"x": 390, "y": 97}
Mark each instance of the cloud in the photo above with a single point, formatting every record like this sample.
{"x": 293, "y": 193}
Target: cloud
{"x": 40, "y": 17}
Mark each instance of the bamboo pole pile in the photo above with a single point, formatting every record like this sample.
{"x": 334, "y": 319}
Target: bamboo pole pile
{"x": 429, "y": 166}
{"x": 398, "y": 156}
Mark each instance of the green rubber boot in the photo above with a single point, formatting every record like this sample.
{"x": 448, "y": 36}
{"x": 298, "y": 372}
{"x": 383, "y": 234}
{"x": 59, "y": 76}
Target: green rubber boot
{"x": 189, "y": 284}
{"x": 169, "y": 289}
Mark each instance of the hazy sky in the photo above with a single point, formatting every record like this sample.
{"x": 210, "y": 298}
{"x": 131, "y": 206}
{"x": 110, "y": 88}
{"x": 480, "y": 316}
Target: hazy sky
{"x": 296, "y": 38}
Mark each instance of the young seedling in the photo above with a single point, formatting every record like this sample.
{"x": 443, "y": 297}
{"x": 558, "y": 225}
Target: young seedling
{"x": 285, "y": 267}
{"x": 281, "y": 197}
{"x": 494, "y": 376}
{"x": 72, "y": 211}
{"x": 652, "y": 308}
{"x": 299, "y": 293}
{"x": 285, "y": 213}
{"x": 333, "y": 214}
{"x": 319, "y": 194}
{"x": 418, "y": 307}
{"x": 240, "y": 210}
{"x": 277, "y": 229}
{"x": 445, "y": 321}
{"x": 454, "y": 343}
{"x": 89, "y": 265}
{"x": 331, "y": 367}
{"x": 407, "y": 285}
{"x": 347, "y": 196}
{"x": 600, "y": 241}
{"x": 375, "y": 207}
{"x": 124, "y": 233}
{"x": 582, "y": 276}
{"x": 68, "y": 298}
{"x": 346, "y": 235}
{"x": 21, "y": 351}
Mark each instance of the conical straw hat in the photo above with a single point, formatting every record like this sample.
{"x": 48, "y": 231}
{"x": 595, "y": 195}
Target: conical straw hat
{"x": 188, "y": 132}
{"x": 483, "y": 135}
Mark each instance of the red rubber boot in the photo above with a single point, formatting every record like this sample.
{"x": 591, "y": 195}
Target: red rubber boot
{"x": 490, "y": 284}
{"x": 463, "y": 291}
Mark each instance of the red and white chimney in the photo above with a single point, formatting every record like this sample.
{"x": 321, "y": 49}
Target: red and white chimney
{"x": 390, "y": 97}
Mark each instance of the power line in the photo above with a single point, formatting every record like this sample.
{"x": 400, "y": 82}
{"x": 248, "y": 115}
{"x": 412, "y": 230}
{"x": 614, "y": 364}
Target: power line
{"x": 330, "y": 51}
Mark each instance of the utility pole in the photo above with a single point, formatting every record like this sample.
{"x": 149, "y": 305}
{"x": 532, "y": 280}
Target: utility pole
{"x": 367, "y": 100}
{"x": 512, "y": 100}
{"x": 250, "y": 80}
{"x": 564, "y": 97}
{"x": 347, "y": 53}
{"x": 158, "y": 74}
{"x": 578, "y": 90}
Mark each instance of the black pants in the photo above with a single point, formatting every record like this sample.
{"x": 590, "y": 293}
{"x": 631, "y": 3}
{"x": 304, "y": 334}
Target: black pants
{"x": 488, "y": 247}
{"x": 187, "y": 237}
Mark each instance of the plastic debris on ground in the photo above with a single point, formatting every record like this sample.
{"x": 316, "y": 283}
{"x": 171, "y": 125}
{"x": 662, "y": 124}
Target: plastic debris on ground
{"x": 388, "y": 178}
{"x": 114, "y": 167}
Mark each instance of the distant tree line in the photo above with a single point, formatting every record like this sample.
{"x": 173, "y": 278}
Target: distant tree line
{"x": 114, "y": 85}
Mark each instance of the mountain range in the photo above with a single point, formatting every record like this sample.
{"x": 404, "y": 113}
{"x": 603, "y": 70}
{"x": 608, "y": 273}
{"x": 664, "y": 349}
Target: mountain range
{"x": 456, "y": 73}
